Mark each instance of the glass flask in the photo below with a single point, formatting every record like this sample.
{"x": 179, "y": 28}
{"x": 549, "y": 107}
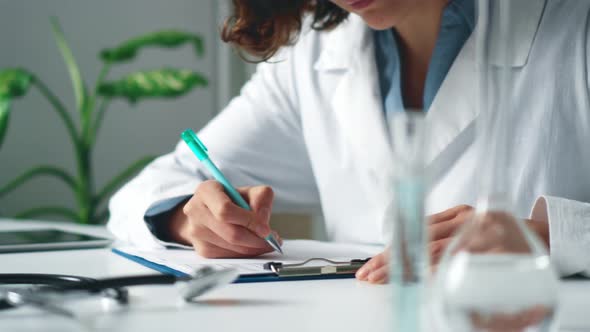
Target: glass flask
{"x": 409, "y": 259}
{"x": 495, "y": 275}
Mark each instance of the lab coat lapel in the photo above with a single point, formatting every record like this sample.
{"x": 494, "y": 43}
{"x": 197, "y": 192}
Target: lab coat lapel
{"x": 455, "y": 105}
{"x": 356, "y": 100}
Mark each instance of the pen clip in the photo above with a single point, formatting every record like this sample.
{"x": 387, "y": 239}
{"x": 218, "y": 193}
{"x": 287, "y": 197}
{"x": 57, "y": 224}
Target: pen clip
{"x": 195, "y": 144}
{"x": 198, "y": 140}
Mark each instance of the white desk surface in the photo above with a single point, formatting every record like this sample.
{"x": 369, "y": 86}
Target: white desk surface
{"x": 324, "y": 305}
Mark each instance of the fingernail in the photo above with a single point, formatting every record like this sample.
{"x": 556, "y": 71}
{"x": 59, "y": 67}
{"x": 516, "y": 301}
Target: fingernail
{"x": 362, "y": 273}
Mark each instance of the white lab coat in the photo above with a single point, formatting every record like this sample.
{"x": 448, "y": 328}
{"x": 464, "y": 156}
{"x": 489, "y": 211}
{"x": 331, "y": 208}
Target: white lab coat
{"x": 312, "y": 126}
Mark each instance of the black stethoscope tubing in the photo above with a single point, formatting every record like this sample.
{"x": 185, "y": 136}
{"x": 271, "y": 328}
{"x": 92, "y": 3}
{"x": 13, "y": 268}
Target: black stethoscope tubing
{"x": 66, "y": 283}
{"x": 41, "y": 279}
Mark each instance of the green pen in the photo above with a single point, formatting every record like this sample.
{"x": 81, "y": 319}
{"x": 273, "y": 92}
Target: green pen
{"x": 200, "y": 151}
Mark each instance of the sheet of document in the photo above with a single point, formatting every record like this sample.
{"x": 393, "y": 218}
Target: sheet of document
{"x": 295, "y": 251}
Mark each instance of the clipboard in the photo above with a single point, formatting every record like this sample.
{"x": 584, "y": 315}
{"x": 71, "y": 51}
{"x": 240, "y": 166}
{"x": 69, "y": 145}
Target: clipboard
{"x": 311, "y": 269}
{"x": 302, "y": 271}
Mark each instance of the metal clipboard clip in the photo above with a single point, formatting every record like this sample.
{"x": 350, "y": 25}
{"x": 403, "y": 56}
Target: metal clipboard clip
{"x": 303, "y": 269}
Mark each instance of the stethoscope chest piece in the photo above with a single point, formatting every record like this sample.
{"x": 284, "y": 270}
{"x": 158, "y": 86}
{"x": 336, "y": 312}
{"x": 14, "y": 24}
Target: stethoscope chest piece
{"x": 204, "y": 280}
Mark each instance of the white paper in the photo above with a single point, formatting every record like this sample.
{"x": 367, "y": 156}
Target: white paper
{"x": 295, "y": 251}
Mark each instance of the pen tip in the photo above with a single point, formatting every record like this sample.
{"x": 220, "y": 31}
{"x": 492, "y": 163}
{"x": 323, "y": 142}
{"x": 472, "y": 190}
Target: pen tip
{"x": 274, "y": 244}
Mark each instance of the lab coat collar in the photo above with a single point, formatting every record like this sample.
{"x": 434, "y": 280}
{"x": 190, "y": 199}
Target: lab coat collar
{"x": 342, "y": 45}
{"x": 357, "y": 103}
{"x": 524, "y": 17}
{"x": 357, "y": 106}
{"x": 455, "y": 105}
{"x": 357, "y": 98}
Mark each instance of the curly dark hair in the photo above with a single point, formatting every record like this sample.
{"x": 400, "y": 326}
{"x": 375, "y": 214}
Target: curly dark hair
{"x": 262, "y": 27}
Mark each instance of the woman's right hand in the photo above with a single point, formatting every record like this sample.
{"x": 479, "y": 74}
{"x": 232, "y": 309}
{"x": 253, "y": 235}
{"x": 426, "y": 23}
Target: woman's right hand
{"x": 218, "y": 228}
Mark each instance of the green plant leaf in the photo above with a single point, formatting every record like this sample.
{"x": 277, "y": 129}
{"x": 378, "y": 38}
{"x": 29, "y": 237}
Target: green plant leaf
{"x": 78, "y": 84}
{"x": 43, "y": 170}
{"x": 160, "y": 83}
{"x": 4, "y": 117}
{"x": 14, "y": 82}
{"x": 166, "y": 38}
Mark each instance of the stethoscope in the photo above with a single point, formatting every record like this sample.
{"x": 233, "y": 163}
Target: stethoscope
{"x": 48, "y": 291}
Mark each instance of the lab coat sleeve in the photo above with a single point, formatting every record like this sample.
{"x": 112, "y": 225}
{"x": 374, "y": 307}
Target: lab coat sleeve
{"x": 256, "y": 140}
{"x": 569, "y": 220}
{"x": 569, "y": 233}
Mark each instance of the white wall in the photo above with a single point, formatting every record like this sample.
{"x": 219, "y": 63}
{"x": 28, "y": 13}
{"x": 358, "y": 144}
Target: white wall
{"x": 35, "y": 133}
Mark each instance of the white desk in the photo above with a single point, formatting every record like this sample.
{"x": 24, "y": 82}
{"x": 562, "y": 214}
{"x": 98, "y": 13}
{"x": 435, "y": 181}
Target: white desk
{"x": 327, "y": 305}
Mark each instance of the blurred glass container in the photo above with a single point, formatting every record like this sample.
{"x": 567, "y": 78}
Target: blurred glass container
{"x": 409, "y": 259}
{"x": 496, "y": 274}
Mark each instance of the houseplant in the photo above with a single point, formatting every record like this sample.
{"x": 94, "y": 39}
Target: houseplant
{"x": 90, "y": 107}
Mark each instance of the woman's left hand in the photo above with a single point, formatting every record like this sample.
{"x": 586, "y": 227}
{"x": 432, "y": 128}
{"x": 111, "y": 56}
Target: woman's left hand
{"x": 375, "y": 271}
{"x": 441, "y": 229}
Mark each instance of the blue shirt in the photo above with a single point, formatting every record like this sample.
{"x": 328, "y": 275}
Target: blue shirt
{"x": 457, "y": 23}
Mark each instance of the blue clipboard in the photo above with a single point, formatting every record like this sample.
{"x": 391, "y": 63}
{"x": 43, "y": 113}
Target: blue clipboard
{"x": 277, "y": 270}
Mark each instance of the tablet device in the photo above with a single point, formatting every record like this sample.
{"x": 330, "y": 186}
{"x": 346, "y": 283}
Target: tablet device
{"x": 24, "y": 240}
